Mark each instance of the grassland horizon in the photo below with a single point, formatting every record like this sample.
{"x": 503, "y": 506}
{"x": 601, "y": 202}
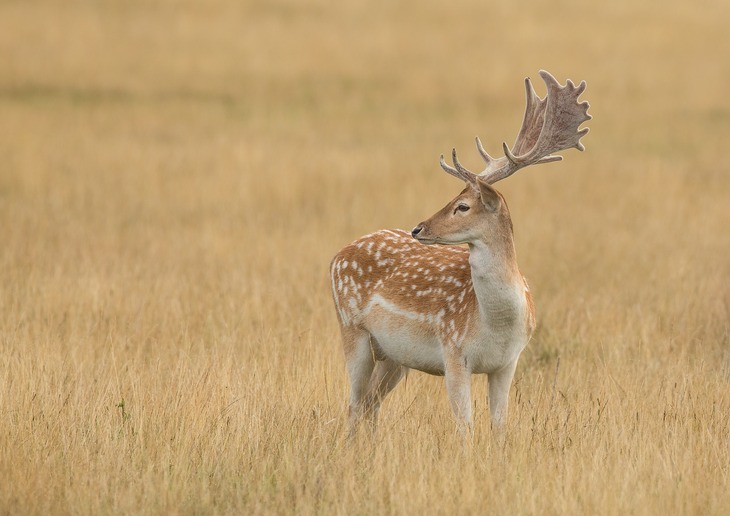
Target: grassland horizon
{"x": 175, "y": 178}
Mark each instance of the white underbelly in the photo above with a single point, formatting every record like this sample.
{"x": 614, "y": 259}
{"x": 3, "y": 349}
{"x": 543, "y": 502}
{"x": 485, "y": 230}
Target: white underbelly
{"x": 406, "y": 340}
{"x": 422, "y": 354}
{"x": 411, "y": 340}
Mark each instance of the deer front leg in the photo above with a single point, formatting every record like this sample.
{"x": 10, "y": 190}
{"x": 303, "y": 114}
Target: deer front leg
{"x": 499, "y": 384}
{"x": 458, "y": 387}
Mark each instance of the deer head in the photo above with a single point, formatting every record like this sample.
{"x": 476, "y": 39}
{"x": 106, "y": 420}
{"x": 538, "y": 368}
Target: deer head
{"x": 478, "y": 211}
{"x": 549, "y": 125}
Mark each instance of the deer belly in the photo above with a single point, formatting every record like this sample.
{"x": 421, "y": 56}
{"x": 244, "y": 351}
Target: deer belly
{"x": 407, "y": 341}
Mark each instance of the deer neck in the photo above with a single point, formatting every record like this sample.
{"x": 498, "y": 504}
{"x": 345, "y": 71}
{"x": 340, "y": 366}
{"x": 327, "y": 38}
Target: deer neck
{"x": 497, "y": 280}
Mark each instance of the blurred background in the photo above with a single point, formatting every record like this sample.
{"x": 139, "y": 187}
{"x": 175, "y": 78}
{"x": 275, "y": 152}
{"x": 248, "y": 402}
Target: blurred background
{"x": 176, "y": 175}
{"x": 240, "y": 144}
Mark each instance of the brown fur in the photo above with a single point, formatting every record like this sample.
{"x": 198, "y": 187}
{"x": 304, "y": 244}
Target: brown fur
{"x": 420, "y": 279}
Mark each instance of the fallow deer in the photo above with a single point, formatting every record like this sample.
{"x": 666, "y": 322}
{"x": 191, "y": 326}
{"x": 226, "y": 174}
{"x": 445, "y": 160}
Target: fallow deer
{"x": 447, "y": 310}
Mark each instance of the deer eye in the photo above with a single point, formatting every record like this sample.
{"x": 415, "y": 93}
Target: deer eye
{"x": 463, "y": 207}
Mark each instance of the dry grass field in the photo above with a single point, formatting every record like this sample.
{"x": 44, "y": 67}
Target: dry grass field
{"x": 175, "y": 177}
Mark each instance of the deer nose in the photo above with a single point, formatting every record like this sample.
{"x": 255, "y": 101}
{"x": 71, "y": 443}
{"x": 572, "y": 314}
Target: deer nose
{"x": 416, "y": 231}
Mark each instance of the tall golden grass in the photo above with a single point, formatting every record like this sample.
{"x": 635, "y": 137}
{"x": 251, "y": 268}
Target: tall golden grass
{"x": 175, "y": 177}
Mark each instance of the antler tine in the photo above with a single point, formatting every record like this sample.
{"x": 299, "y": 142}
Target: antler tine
{"x": 511, "y": 157}
{"x": 464, "y": 171}
{"x": 548, "y": 159}
{"x": 532, "y": 121}
{"x": 448, "y": 168}
{"x": 485, "y": 156}
{"x": 460, "y": 171}
{"x": 521, "y": 162}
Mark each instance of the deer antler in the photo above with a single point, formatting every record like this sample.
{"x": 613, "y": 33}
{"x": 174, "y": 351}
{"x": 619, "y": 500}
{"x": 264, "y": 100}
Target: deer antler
{"x": 549, "y": 125}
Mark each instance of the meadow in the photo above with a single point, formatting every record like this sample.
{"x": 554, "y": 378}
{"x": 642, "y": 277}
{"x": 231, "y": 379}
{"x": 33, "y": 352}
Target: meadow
{"x": 175, "y": 177}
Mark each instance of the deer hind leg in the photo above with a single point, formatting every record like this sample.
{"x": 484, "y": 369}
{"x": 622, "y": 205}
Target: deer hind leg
{"x": 386, "y": 376}
{"x": 360, "y": 364}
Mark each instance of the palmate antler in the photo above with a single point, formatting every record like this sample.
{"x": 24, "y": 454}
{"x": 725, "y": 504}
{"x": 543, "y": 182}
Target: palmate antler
{"x": 549, "y": 125}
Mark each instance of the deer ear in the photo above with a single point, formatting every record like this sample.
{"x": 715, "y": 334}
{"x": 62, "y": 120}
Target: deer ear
{"x": 490, "y": 197}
